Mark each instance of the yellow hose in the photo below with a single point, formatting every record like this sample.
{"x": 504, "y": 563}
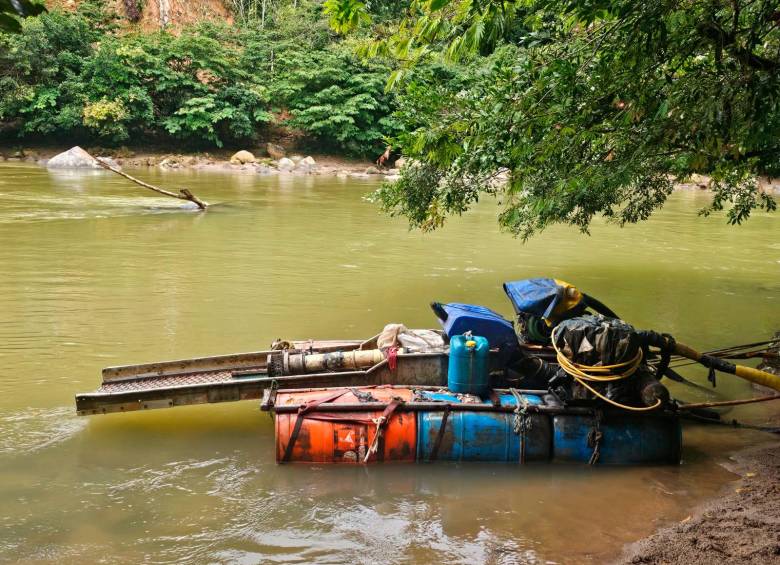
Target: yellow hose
{"x": 602, "y": 373}
{"x": 748, "y": 373}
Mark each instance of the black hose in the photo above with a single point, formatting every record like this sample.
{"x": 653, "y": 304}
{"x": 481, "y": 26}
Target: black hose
{"x": 598, "y": 306}
{"x": 439, "y": 311}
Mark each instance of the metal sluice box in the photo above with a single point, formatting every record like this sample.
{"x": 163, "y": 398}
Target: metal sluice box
{"x": 245, "y": 376}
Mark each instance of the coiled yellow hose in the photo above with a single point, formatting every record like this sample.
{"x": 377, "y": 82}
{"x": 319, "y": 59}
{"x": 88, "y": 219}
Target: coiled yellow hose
{"x": 602, "y": 373}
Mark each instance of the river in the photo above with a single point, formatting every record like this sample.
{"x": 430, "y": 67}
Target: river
{"x": 96, "y": 272}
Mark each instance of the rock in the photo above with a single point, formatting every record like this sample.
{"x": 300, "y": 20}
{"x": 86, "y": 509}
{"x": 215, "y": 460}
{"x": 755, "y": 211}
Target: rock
{"x": 296, "y": 158}
{"x": 285, "y": 164}
{"x": 242, "y": 158}
{"x": 170, "y": 163}
{"x": 306, "y": 165}
{"x": 111, "y": 161}
{"x": 263, "y": 170}
{"x": 275, "y": 151}
{"x": 372, "y": 171}
{"x": 77, "y": 158}
{"x": 400, "y": 162}
{"x": 700, "y": 180}
{"x": 392, "y": 172}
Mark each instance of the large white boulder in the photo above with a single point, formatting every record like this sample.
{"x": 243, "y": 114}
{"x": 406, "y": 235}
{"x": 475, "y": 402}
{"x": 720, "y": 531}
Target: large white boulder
{"x": 242, "y": 158}
{"x": 285, "y": 164}
{"x": 306, "y": 165}
{"x": 77, "y": 158}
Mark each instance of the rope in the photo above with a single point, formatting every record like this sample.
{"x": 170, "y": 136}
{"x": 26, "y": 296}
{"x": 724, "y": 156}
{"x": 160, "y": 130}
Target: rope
{"x": 595, "y": 436}
{"x": 601, "y": 374}
{"x": 380, "y": 423}
{"x": 519, "y": 421}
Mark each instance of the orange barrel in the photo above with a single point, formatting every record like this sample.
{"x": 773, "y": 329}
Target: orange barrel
{"x": 345, "y": 437}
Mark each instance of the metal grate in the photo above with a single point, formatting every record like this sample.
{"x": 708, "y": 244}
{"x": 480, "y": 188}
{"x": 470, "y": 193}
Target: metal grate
{"x": 151, "y": 383}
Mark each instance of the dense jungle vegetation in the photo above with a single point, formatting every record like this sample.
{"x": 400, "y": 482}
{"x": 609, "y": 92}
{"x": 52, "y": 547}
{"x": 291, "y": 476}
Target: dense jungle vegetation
{"x": 561, "y": 109}
{"x": 86, "y": 75}
{"x": 565, "y": 109}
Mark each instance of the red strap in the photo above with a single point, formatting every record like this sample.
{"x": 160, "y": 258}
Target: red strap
{"x": 392, "y": 358}
{"x": 336, "y": 417}
{"x": 348, "y": 418}
{"x": 312, "y": 404}
{"x": 390, "y": 408}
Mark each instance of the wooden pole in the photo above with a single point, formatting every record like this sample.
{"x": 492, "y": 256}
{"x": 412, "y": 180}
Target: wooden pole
{"x": 728, "y": 402}
{"x": 184, "y": 194}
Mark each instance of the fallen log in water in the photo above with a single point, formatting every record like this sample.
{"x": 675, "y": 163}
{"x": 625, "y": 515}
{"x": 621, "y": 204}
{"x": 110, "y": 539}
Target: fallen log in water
{"x": 184, "y": 194}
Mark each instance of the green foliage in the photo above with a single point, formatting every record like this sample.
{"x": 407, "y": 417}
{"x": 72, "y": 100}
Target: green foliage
{"x": 575, "y": 109}
{"x": 317, "y": 84}
{"x": 12, "y": 10}
{"x": 346, "y": 15}
{"x": 105, "y": 117}
{"x": 73, "y": 75}
{"x": 338, "y": 100}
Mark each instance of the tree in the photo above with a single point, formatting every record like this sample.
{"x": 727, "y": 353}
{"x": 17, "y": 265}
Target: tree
{"x": 570, "y": 109}
{"x": 12, "y": 10}
{"x": 79, "y": 75}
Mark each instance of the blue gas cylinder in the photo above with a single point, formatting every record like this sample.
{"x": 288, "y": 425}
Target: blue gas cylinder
{"x": 469, "y": 371}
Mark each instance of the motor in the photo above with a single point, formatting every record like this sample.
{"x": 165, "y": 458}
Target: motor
{"x": 542, "y": 303}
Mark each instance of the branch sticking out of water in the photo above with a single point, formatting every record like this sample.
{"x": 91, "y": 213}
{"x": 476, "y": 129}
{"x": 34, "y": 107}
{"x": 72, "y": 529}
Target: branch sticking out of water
{"x": 184, "y": 194}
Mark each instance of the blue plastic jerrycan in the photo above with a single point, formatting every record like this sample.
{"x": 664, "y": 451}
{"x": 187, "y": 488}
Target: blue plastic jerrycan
{"x": 469, "y": 371}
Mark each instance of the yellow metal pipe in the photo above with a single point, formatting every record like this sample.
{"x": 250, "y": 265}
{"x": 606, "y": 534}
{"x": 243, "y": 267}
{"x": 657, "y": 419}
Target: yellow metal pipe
{"x": 748, "y": 373}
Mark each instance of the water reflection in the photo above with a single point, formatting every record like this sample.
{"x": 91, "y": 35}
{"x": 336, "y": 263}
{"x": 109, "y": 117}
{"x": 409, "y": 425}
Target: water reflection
{"x": 93, "y": 274}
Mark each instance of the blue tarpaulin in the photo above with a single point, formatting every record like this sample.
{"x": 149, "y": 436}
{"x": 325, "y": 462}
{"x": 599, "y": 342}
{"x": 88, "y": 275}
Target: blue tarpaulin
{"x": 535, "y": 296}
{"x": 479, "y": 321}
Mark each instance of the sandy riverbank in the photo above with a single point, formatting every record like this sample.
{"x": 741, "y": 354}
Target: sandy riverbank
{"x": 740, "y": 527}
{"x": 218, "y": 160}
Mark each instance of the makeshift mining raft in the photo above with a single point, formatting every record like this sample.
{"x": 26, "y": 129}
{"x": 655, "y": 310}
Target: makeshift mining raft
{"x": 568, "y": 381}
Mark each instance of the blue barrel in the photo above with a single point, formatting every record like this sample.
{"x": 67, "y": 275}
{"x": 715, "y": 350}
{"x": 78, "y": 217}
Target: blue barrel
{"x": 468, "y": 371}
{"x": 484, "y": 436}
{"x": 625, "y": 439}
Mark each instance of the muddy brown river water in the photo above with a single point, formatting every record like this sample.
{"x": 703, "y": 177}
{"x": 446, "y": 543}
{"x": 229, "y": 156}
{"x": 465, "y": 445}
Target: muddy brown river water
{"x": 95, "y": 272}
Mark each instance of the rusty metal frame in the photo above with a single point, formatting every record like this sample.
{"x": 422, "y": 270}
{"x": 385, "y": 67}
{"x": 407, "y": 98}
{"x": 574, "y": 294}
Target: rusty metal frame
{"x": 169, "y": 384}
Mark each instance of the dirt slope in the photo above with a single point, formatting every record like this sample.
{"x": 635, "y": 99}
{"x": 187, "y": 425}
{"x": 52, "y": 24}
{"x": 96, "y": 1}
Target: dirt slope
{"x": 156, "y": 14}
